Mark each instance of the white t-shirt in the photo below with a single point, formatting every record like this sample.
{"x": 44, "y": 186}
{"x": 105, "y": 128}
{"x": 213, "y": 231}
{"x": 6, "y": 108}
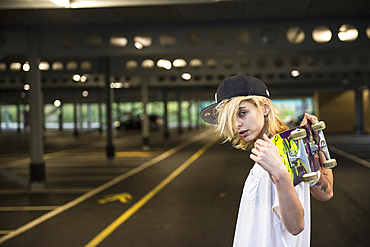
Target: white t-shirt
{"x": 259, "y": 223}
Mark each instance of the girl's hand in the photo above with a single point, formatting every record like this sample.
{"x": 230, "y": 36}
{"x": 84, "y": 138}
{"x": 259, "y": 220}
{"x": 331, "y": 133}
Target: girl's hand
{"x": 309, "y": 119}
{"x": 267, "y": 155}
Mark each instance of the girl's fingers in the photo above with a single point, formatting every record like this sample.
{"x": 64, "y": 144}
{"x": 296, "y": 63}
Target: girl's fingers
{"x": 304, "y": 120}
{"x": 313, "y": 119}
{"x": 267, "y": 139}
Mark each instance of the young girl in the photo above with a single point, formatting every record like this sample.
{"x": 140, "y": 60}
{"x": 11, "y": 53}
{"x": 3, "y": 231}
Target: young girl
{"x": 272, "y": 211}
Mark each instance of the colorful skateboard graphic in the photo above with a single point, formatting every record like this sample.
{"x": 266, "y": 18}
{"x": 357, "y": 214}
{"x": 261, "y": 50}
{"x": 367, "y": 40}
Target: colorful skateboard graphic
{"x": 300, "y": 152}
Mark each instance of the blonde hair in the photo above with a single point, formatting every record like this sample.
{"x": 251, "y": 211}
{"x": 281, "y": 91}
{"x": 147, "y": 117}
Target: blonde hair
{"x": 227, "y": 111}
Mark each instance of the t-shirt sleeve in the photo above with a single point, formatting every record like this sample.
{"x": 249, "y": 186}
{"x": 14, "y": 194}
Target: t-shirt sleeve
{"x": 275, "y": 204}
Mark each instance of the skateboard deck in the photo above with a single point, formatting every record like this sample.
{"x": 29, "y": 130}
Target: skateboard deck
{"x": 297, "y": 155}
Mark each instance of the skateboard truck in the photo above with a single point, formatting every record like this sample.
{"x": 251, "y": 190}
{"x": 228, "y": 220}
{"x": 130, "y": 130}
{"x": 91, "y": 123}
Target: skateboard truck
{"x": 301, "y": 155}
{"x": 322, "y": 146}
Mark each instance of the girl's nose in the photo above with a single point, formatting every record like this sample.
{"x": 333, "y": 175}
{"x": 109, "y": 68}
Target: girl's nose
{"x": 238, "y": 124}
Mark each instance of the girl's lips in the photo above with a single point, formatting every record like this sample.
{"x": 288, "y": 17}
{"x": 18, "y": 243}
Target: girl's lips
{"x": 243, "y": 133}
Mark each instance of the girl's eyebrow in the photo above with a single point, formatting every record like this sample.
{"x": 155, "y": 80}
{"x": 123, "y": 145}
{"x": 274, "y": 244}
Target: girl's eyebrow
{"x": 241, "y": 107}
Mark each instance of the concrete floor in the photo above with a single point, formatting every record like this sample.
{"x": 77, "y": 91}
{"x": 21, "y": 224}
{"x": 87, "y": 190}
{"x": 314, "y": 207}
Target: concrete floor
{"x": 179, "y": 193}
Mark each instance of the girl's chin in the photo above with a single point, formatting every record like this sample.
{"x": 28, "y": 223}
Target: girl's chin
{"x": 248, "y": 138}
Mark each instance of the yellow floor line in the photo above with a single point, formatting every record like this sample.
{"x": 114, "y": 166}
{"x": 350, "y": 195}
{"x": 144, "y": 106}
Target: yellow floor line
{"x": 101, "y": 188}
{"x": 126, "y": 215}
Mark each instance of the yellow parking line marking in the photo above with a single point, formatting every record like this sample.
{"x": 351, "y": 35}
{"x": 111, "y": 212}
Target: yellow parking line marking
{"x": 2, "y": 232}
{"x": 134, "y": 154}
{"x": 103, "y": 187}
{"x": 126, "y": 215}
{"x": 28, "y": 208}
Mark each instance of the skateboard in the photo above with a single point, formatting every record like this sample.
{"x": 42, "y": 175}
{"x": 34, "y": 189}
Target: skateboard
{"x": 299, "y": 149}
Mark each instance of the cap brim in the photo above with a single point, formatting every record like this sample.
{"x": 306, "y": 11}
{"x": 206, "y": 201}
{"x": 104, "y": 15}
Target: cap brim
{"x": 207, "y": 114}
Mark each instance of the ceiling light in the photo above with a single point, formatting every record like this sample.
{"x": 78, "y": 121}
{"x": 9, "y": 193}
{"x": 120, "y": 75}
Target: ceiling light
{"x": 186, "y": 76}
{"x": 26, "y": 66}
{"x": 138, "y": 45}
{"x": 26, "y": 87}
{"x": 295, "y": 73}
{"x": 179, "y": 63}
{"x": 164, "y": 63}
{"x": 61, "y": 3}
{"x": 83, "y": 78}
{"x": 85, "y": 94}
{"x": 76, "y": 77}
{"x": 57, "y": 103}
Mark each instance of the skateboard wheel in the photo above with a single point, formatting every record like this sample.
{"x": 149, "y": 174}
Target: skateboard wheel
{"x": 318, "y": 126}
{"x": 310, "y": 177}
{"x": 298, "y": 134}
{"x": 329, "y": 164}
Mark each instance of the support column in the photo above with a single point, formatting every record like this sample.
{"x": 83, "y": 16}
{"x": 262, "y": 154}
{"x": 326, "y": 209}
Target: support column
{"x": 61, "y": 117}
{"x": 81, "y": 118}
{"x": 100, "y": 105}
{"x": 0, "y": 118}
{"x": 118, "y": 112}
{"x": 145, "y": 124}
{"x": 37, "y": 165}
{"x": 109, "y": 97}
{"x": 189, "y": 116}
{"x": 19, "y": 118}
{"x": 198, "y": 114}
{"x": 88, "y": 115}
{"x": 165, "y": 126}
{"x": 179, "y": 117}
{"x": 75, "y": 118}
{"x": 26, "y": 116}
{"x": 359, "y": 120}
{"x": 7, "y": 120}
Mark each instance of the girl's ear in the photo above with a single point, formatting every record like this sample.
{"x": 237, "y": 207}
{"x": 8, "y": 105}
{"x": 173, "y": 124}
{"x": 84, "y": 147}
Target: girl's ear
{"x": 266, "y": 107}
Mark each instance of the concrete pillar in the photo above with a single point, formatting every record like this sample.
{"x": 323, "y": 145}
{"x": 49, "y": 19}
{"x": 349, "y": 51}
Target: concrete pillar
{"x": 88, "y": 114}
{"x": 145, "y": 124}
{"x": 81, "y": 118}
{"x": 359, "y": 119}
{"x": 165, "y": 126}
{"x": 366, "y": 110}
{"x": 179, "y": 116}
{"x": 109, "y": 97}
{"x": 18, "y": 118}
{"x": 75, "y": 118}
{"x": 197, "y": 107}
{"x": 189, "y": 115}
{"x": 37, "y": 165}
{"x": 100, "y": 110}
{"x": 118, "y": 112}
{"x": 61, "y": 117}
{"x": 337, "y": 109}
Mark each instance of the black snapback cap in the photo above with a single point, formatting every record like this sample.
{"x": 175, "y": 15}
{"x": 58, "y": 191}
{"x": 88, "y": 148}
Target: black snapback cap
{"x": 239, "y": 85}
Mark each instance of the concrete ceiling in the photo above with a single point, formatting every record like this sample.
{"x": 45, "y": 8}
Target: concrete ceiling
{"x": 26, "y": 12}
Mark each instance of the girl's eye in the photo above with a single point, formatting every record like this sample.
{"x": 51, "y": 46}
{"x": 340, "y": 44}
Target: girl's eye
{"x": 242, "y": 113}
